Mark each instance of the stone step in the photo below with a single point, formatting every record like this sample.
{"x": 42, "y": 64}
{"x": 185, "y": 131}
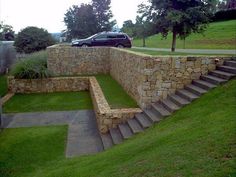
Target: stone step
{"x": 187, "y": 95}
{"x": 153, "y": 115}
{"x": 203, "y": 84}
{"x": 222, "y": 74}
{"x": 106, "y": 141}
{"x": 230, "y": 63}
{"x": 213, "y": 79}
{"x": 229, "y": 69}
{"x": 143, "y": 120}
{"x": 134, "y": 125}
{"x": 116, "y": 136}
{"x": 169, "y": 105}
{"x": 195, "y": 89}
{"x": 160, "y": 109}
{"x": 125, "y": 130}
{"x": 178, "y": 100}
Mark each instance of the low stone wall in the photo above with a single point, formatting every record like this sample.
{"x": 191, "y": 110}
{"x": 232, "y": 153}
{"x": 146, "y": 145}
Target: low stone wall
{"x": 150, "y": 78}
{"x": 107, "y": 117}
{"x": 61, "y": 84}
{"x": 66, "y": 60}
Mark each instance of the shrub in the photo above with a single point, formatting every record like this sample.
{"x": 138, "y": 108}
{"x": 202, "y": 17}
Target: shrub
{"x": 225, "y": 15}
{"x": 32, "y": 39}
{"x": 32, "y": 67}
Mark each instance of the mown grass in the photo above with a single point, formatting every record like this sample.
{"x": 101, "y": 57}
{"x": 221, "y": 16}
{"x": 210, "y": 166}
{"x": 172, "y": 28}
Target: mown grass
{"x": 154, "y": 53}
{"x": 197, "y": 141}
{"x": 219, "y": 35}
{"x": 3, "y": 85}
{"x": 114, "y": 93}
{"x": 48, "y": 102}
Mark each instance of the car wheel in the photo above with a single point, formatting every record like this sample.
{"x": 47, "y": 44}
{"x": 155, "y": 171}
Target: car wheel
{"x": 84, "y": 46}
{"x": 120, "y": 46}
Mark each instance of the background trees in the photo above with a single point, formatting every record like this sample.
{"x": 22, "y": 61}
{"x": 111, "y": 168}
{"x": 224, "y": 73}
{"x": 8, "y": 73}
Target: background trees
{"x": 87, "y": 19}
{"x": 32, "y": 39}
{"x": 6, "y": 32}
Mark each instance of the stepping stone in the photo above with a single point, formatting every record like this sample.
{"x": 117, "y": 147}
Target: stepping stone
{"x": 222, "y": 74}
{"x": 195, "y": 89}
{"x": 107, "y": 141}
{"x": 204, "y": 84}
{"x": 186, "y": 95}
{"x": 125, "y": 130}
{"x": 229, "y": 69}
{"x": 169, "y": 105}
{"x": 143, "y": 120}
{"x": 213, "y": 79}
{"x": 134, "y": 125}
{"x": 161, "y": 110}
{"x": 230, "y": 63}
{"x": 116, "y": 136}
{"x": 178, "y": 100}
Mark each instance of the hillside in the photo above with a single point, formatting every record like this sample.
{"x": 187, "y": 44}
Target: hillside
{"x": 197, "y": 141}
{"x": 219, "y": 35}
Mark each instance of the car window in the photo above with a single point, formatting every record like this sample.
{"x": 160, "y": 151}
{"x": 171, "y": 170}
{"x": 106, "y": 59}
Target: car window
{"x": 101, "y": 37}
{"x": 111, "y": 36}
{"x": 120, "y": 36}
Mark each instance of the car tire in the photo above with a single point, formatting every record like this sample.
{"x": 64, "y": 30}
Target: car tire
{"x": 84, "y": 46}
{"x": 120, "y": 46}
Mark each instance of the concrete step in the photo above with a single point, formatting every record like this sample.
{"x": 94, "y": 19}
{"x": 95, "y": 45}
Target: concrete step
{"x": 222, "y": 74}
{"x": 186, "y": 95}
{"x": 160, "y": 109}
{"x": 195, "y": 89}
{"x": 229, "y": 69}
{"x": 125, "y": 130}
{"x": 134, "y": 126}
{"x": 116, "y": 136}
{"x": 106, "y": 141}
{"x": 230, "y": 63}
{"x": 169, "y": 105}
{"x": 213, "y": 79}
{"x": 143, "y": 120}
{"x": 153, "y": 115}
{"x": 203, "y": 84}
{"x": 178, "y": 100}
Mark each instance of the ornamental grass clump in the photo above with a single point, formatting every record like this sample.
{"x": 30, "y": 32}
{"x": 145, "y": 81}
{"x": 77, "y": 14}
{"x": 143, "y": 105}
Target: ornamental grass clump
{"x": 33, "y": 66}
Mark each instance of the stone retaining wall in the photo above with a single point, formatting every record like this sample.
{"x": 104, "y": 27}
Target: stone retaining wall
{"x": 107, "y": 117}
{"x": 66, "y": 60}
{"x": 61, "y": 84}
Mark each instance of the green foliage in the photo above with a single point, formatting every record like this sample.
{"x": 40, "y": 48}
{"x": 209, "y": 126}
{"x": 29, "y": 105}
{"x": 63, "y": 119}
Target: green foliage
{"x": 6, "y": 32}
{"x": 114, "y": 93}
{"x": 196, "y": 141}
{"x": 32, "y": 39}
{"x": 49, "y": 102}
{"x": 3, "y": 85}
{"x": 32, "y": 67}
{"x": 181, "y": 17}
{"x": 87, "y": 19}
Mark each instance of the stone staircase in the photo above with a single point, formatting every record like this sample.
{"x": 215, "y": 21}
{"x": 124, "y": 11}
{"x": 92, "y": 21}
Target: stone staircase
{"x": 172, "y": 103}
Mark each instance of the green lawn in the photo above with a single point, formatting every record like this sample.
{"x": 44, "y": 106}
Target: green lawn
{"x": 197, "y": 141}
{"x": 149, "y": 52}
{"x": 27, "y": 150}
{"x": 114, "y": 93}
{"x": 48, "y": 102}
{"x": 219, "y": 35}
{"x": 3, "y": 85}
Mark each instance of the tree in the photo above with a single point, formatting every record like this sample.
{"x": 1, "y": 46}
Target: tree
{"x": 32, "y": 39}
{"x": 181, "y": 17}
{"x": 102, "y": 11}
{"x": 80, "y": 21}
{"x": 129, "y": 28}
{"x": 6, "y": 32}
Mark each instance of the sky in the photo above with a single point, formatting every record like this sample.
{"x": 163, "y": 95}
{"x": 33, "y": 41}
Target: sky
{"x": 49, "y": 14}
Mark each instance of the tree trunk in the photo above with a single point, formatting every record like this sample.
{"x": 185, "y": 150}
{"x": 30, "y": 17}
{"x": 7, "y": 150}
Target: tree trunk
{"x": 173, "y": 41}
{"x": 144, "y": 42}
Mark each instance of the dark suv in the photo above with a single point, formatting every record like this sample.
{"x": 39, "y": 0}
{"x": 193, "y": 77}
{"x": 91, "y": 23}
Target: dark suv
{"x": 108, "y": 39}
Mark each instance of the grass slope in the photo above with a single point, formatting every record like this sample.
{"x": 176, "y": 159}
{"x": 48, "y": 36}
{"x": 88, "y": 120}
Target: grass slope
{"x": 219, "y": 35}
{"x": 3, "y": 85}
{"x": 114, "y": 93}
{"x": 197, "y": 141}
{"x": 48, "y": 102}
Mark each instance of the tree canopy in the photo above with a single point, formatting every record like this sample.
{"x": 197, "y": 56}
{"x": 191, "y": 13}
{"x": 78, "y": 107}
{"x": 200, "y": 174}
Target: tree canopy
{"x": 6, "y": 32}
{"x": 181, "y": 17}
{"x": 87, "y": 19}
{"x": 32, "y": 39}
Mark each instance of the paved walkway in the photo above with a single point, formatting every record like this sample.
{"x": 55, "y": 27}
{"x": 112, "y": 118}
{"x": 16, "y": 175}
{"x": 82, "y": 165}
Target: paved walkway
{"x": 193, "y": 51}
{"x": 83, "y": 135}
